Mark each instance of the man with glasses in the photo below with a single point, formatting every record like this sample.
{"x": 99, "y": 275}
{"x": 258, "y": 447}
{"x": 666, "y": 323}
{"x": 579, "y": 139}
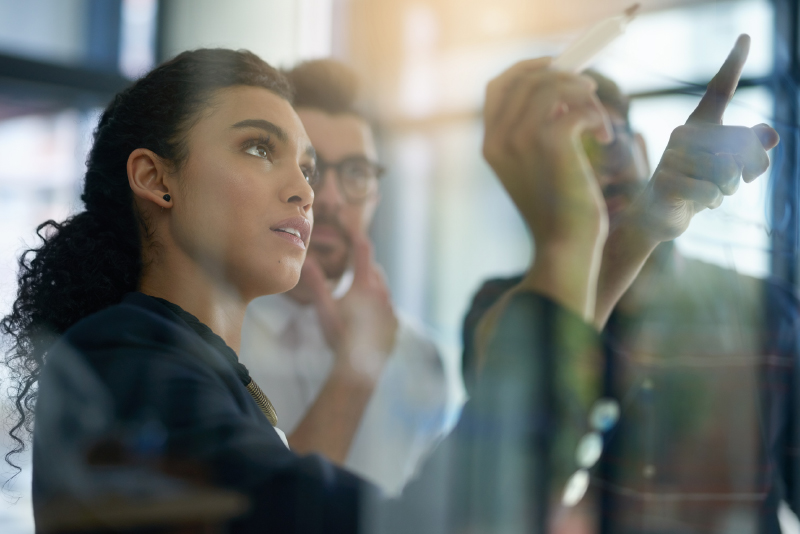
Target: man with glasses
{"x": 349, "y": 377}
{"x": 701, "y": 360}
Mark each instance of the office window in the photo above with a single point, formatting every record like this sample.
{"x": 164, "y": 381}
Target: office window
{"x": 111, "y": 35}
{"x": 49, "y": 30}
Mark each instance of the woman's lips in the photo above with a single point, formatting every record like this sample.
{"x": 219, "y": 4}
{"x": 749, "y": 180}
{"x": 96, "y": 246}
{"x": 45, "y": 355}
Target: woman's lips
{"x": 295, "y": 230}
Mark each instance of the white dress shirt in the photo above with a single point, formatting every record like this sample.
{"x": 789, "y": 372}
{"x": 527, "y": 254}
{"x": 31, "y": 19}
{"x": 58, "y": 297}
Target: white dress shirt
{"x": 415, "y": 404}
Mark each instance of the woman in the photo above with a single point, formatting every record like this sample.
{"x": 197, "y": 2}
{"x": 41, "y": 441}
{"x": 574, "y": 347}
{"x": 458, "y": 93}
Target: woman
{"x": 197, "y": 201}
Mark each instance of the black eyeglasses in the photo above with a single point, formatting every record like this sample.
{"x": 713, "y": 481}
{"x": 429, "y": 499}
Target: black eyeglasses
{"x": 357, "y": 177}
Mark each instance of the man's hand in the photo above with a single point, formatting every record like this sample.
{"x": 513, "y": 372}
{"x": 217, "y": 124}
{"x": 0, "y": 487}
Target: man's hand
{"x": 534, "y": 117}
{"x": 533, "y": 120}
{"x": 360, "y": 327}
{"x": 703, "y": 163}
{"x": 704, "y": 160}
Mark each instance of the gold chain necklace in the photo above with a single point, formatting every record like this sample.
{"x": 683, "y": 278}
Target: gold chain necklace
{"x": 263, "y": 402}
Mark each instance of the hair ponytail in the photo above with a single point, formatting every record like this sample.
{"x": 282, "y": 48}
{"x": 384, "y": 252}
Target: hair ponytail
{"x": 89, "y": 261}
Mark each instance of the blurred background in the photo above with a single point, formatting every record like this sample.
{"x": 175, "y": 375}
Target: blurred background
{"x": 444, "y": 224}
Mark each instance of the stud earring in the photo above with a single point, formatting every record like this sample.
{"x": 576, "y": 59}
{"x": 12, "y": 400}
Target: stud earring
{"x": 167, "y": 197}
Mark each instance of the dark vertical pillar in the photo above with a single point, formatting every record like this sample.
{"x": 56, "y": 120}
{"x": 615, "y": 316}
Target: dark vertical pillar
{"x": 785, "y": 218}
{"x": 785, "y": 191}
{"x": 103, "y": 25}
{"x": 162, "y": 19}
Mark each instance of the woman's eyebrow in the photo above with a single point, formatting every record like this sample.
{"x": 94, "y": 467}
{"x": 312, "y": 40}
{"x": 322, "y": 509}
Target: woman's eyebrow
{"x": 267, "y": 126}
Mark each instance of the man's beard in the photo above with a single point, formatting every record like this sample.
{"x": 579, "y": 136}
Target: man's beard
{"x": 332, "y": 259}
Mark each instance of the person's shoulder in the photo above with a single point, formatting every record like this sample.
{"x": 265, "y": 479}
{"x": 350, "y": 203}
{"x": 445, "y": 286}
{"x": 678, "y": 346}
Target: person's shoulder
{"x": 414, "y": 343}
{"x": 140, "y": 335}
{"x": 777, "y": 296}
{"x": 490, "y": 291}
{"x": 137, "y": 319}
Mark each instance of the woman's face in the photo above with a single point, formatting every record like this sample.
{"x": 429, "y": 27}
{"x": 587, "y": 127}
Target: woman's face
{"x": 242, "y": 208}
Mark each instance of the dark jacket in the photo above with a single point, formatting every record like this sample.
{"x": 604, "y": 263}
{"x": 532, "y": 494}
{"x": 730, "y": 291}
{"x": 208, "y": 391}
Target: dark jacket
{"x": 141, "y": 423}
{"x": 134, "y": 407}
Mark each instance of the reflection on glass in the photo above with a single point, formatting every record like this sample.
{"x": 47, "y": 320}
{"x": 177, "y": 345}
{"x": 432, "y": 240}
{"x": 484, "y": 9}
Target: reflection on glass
{"x": 576, "y": 488}
{"x": 589, "y": 449}
{"x": 604, "y": 414}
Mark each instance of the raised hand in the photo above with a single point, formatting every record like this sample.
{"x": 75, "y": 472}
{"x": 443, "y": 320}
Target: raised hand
{"x": 703, "y": 163}
{"x": 534, "y": 117}
{"x": 533, "y": 120}
{"x": 704, "y": 160}
{"x": 361, "y": 326}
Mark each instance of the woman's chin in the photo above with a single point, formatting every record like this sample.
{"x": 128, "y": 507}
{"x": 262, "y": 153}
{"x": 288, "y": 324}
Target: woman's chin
{"x": 274, "y": 283}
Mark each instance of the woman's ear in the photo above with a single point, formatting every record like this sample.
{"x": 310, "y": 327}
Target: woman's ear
{"x": 147, "y": 176}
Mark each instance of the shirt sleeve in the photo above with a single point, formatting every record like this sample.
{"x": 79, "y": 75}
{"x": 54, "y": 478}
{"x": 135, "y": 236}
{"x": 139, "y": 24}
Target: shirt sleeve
{"x": 415, "y": 404}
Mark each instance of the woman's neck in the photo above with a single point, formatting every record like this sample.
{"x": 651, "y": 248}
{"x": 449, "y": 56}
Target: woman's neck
{"x": 182, "y": 282}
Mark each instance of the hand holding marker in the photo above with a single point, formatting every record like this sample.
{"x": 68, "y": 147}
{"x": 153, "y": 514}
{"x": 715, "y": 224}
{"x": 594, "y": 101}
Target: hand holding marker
{"x": 580, "y": 54}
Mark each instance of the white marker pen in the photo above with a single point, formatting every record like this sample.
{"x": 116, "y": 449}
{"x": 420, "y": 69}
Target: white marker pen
{"x": 580, "y": 54}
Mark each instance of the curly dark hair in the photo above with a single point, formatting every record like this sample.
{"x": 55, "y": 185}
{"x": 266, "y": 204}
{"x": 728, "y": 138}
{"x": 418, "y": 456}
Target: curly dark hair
{"x": 89, "y": 261}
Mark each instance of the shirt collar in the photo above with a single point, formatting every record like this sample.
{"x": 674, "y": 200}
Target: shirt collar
{"x": 276, "y": 311}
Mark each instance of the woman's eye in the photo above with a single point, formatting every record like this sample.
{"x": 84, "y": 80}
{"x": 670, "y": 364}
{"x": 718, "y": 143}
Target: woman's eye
{"x": 310, "y": 175}
{"x": 259, "y": 151}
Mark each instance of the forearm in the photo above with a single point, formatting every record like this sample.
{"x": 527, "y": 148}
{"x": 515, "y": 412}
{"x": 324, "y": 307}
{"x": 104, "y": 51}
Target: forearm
{"x": 568, "y": 274}
{"x": 625, "y": 252}
{"x": 329, "y": 426}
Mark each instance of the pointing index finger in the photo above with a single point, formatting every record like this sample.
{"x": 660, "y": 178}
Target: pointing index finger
{"x": 722, "y": 86}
